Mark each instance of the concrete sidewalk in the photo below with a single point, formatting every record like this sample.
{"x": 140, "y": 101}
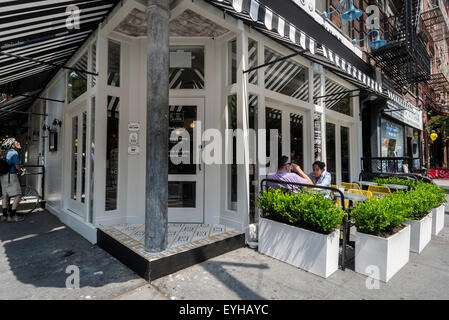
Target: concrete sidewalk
{"x": 34, "y": 255}
{"x": 246, "y": 274}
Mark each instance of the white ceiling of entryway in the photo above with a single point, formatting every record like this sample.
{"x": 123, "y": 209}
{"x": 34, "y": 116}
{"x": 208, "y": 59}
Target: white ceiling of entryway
{"x": 187, "y": 24}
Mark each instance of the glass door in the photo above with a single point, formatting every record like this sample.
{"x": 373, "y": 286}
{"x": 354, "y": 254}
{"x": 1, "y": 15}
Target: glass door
{"x": 78, "y": 161}
{"x": 338, "y": 152}
{"x": 185, "y": 176}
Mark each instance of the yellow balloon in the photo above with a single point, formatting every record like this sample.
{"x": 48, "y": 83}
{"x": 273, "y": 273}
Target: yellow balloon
{"x": 433, "y": 136}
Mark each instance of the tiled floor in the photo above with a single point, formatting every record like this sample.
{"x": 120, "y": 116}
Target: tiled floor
{"x": 181, "y": 237}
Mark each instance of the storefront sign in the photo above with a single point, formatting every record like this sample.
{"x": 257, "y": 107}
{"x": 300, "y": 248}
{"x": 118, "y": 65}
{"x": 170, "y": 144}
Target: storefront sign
{"x": 307, "y": 5}
{"x": 133, "y": 150}
{"x": 404, "y": 111}
{"x": 133, "y": 126}
{"x": 439, "y": 173}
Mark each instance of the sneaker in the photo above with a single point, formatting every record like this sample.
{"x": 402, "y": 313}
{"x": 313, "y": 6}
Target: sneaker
{"x": 15, "y": 218}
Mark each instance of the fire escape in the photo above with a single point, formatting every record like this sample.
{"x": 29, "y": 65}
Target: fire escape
{"x": 437, "y": 27}
{"x": 404, "y": 59}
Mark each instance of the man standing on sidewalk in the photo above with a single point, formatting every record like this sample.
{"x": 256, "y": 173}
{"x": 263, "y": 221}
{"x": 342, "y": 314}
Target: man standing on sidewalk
{"x": 10, "y": 182}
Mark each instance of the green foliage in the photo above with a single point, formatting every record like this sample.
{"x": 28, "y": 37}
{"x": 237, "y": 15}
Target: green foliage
{"x": 424, "y": 198}
{"x": 381, "y": 215}
{"x": 394, "y": 180}
{"x": 438, "y": 123}
{"x": 304, "y": 209}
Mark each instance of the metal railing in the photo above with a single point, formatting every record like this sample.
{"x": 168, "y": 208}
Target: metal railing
{"x": 392, "y": 165}
{"x": 29, "y": 173}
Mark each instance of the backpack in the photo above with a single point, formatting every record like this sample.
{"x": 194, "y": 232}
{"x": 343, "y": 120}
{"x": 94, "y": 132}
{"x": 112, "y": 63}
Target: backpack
{"x": 4, "y": 165}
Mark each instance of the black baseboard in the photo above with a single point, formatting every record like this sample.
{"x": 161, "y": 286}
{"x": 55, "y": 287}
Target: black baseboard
{"x": 152, "y": 270}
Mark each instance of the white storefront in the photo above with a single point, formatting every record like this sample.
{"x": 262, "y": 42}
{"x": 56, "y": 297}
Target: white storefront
{"x": 97, "y": 175}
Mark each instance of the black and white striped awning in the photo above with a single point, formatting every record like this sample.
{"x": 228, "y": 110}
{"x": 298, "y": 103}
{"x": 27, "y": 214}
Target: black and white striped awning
{"x": 269, "y": 22}
{"x": 45, "y": 31}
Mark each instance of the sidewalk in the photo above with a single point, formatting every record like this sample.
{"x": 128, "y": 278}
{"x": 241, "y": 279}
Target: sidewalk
{"x": 34, "y": 255}
{"x": 443, "y": 183}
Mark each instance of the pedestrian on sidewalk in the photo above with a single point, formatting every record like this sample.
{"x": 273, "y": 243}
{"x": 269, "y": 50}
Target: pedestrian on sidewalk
{"x": 10, "y": 182}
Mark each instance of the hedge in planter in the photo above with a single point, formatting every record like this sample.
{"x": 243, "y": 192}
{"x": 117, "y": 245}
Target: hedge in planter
{"x": 421, "y": 203}
{"x": 304, "y": 209}
{"x": 381, "y": 239}
{"x": 300, "y": 229}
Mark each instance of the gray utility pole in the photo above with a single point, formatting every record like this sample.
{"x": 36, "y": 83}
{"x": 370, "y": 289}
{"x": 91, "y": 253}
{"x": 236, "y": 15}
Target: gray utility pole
{"x": 156, "y": 206}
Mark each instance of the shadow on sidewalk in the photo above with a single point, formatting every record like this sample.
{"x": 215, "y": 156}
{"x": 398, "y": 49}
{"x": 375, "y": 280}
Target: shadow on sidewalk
{"x": 38, "y": 251}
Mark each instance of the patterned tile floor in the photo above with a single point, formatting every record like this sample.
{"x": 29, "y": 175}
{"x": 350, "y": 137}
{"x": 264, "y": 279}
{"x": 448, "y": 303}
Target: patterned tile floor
{"x": 181, "y": 237}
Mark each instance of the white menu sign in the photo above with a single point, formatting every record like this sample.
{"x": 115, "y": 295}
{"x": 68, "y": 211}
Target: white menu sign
{"x": 405, "y": 111}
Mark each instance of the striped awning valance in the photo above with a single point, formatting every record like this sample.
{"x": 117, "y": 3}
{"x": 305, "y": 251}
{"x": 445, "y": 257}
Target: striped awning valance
{"x": 40, "y": 35}
{"x": 277, "y": 27}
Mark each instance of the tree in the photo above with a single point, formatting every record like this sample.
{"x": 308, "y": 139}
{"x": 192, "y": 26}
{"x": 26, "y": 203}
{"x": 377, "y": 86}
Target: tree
{"x": 441, "y": 125}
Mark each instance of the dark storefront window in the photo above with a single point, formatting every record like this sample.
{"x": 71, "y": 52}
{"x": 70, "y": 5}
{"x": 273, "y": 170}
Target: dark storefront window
{"x": 232, "y": 168}
{"x": 330, "y": 151}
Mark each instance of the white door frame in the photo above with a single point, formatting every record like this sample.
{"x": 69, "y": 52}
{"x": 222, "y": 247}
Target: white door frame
{"x": 190, "y": 215}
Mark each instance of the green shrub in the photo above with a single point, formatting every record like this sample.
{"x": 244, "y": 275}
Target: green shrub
{"x": 380, "y": 215}
{"x": 394, "y": 180}
{"x": 303, "y": 209}
{"x": 423, "y": 199}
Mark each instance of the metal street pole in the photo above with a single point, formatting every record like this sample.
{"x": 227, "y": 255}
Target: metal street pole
{"x": 156, "y": 202}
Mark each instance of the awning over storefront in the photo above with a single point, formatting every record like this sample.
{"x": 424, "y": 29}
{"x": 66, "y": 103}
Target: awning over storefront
{"x": 275, "y": 26}
{"x": 39, "y": 37}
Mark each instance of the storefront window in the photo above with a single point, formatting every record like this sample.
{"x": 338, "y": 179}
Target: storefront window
{"x": 77, "y": 81}
{"x": 112, "y": 154}
{"x": 252, "y": 61}
{"x": 232, "y": 62}
{"x": 287, "y": 77}
{"x": 392, "y": 139}
{"x": 114, "y": 56}
{"x": 338, "y": 99}
{"x": 232, "y": 168}
{"x": 330, "y": 151}
{"x": 186, "y": 67}
{"x": 345, "y": 154}
{"x": 296, "y": 139}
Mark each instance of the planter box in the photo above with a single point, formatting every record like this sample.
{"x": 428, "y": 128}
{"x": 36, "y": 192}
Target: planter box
{"x": 437, "y": 219}
{"x": 389, "y": 255}
{"x": 420, "y": 233}
{"x": 307, "y": 250}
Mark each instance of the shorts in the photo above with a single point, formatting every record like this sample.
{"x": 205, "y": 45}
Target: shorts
{"x": 13, "y": 187}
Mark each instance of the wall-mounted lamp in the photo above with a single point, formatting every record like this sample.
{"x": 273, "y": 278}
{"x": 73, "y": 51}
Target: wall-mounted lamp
{"x": 57, "y": 122}
{"x": 376, "y": 44}
{"x": 45, "y": 128}
{"x": 351, "y": 14}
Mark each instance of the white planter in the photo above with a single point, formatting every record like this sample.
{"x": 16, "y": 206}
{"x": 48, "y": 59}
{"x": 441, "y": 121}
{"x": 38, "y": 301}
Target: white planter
{"x": 437, "y": 219}
{"x": 307, "y": 250}
{"x": 381, "y": 258}
{"x": 421, "y": 233}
